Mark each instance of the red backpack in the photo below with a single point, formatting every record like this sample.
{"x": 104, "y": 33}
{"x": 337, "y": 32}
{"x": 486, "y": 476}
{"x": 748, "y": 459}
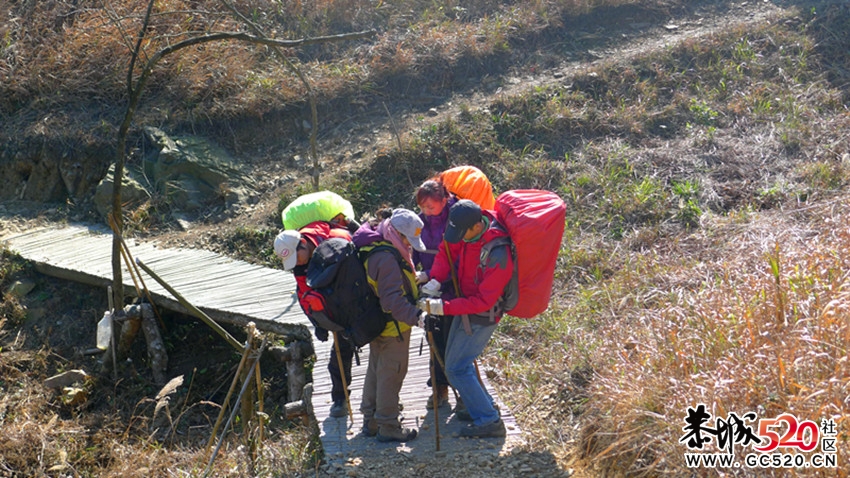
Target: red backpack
{"x": 535, "y": 220}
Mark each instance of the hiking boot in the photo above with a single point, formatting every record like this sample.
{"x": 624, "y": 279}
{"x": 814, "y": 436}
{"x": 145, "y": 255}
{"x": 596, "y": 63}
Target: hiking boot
{"x": 463, "y": 415}
{"x": 461, "y": 412}
{"x": 395, "y": 432}
{"x": 338, "y": 409}
{"x": 442, "y": 400}
{"x": 370, "y": 427}
{"x": 489, "y": 430}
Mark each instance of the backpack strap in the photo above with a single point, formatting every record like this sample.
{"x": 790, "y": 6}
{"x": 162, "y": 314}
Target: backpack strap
{"x": 406, "y": 271}
{"x": 510, "y": 293}
{"x": 366, "y": 251}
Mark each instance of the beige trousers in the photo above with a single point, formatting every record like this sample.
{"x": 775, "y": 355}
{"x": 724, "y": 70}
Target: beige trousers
{"x": 388, "y": 358}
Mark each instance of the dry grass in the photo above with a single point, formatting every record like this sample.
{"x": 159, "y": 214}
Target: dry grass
{"x": 734, "y": 333}
{"x": 76, "y": 53}
{"x": 748, "y": 315}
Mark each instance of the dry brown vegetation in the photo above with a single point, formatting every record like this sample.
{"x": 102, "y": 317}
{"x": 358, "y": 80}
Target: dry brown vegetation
{"x": 72, "y": 55}
{"x": 707, "y": 245}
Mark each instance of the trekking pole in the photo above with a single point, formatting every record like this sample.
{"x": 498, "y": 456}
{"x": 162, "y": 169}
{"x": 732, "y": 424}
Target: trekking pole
{"x": 440, "y": 362}
{"x": 342, "y": 376}
{"x": 435, "y": 398}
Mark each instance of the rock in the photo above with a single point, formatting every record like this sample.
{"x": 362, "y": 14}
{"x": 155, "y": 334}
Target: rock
{"x": 182, "y": 220}
{"x": 20, "y": 288}
{"x": 132, "y": 191}
{"x": 50, "y": 167}
{"x": 66, "y": 379}
{"x": 192, "y": 172}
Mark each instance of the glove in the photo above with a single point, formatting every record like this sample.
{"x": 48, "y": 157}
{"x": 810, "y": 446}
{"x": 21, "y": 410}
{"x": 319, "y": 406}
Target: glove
{"x": 431, "y": 289}
{"x": 431, "y": 306}
{"x": 421, "y": 277}
{"x": 321, "y": 334}
{"x": 429, "y": 322}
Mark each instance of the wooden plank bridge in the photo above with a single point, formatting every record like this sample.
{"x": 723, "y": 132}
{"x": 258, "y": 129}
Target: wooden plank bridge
{"x": 236, "y": 292}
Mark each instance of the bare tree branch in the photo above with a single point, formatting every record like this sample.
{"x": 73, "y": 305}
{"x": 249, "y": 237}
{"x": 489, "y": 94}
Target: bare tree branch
{"x": 135, "y": 93}
{"x": 311, "y": 96}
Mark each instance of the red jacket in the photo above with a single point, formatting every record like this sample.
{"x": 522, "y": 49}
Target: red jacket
{"x": 480, "y": 287}
{"x": 316, "y": 233}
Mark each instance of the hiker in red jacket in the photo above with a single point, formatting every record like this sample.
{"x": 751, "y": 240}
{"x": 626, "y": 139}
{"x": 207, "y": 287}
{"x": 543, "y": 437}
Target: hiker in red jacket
{"x": 295, "y": 249}
{"x": 482, "y": 280}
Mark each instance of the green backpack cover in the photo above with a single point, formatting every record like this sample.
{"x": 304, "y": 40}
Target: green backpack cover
{"x": 318, "y": 206}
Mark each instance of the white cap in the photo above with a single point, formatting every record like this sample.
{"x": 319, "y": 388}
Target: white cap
{"x": 286, "y": 247}
{"x": 409, "y": 225}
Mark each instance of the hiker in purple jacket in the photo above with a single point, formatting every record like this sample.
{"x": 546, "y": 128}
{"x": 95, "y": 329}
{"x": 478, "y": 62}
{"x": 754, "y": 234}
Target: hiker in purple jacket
{"x": 434, "y": 200}
{"x": 387, "y": 245}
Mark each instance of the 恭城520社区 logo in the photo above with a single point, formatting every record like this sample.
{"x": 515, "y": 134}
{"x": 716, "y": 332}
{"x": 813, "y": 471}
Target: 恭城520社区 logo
{"x": 781, "y": 442}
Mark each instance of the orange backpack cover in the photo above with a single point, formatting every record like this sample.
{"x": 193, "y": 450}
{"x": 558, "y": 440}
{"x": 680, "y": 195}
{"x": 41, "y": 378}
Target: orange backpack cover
{"x": 535, "y": 221}
{"x": 468, "y": 182}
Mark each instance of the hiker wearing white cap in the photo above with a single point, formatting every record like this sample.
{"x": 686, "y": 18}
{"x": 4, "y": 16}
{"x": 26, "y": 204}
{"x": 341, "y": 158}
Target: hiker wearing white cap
{"x": 295, "y": 248}
{"x": 388, "y": 243}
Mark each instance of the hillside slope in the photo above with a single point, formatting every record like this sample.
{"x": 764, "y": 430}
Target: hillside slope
{"x": 702, "y": 149}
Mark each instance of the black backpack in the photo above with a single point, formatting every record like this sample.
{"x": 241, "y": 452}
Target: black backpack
{"x": 337, "y": 273}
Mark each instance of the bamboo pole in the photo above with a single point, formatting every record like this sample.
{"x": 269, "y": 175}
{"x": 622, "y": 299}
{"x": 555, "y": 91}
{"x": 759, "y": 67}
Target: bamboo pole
{"x": 112, "y": 343}
{"x": 229, "y": 394}
{"x": 262, "y": 413}
{"x": 247, "y": 403}
{"x": 131, "y": 265}
{"x": 130, "y": 268}
{"x": 194, "y": 310}
{"x": 235, "y": 406}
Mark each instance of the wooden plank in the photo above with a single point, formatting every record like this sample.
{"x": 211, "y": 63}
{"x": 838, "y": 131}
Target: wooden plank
{"x": 84, "y": 254}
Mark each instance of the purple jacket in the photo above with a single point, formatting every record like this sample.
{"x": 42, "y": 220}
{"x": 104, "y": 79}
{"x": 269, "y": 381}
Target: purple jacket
{"x": 366, "y": 235}
{"x": 432, "y": 235}
{"x": 391, "y": 284}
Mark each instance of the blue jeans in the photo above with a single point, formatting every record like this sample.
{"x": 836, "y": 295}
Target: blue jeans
{"x": 461, "y": 351}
